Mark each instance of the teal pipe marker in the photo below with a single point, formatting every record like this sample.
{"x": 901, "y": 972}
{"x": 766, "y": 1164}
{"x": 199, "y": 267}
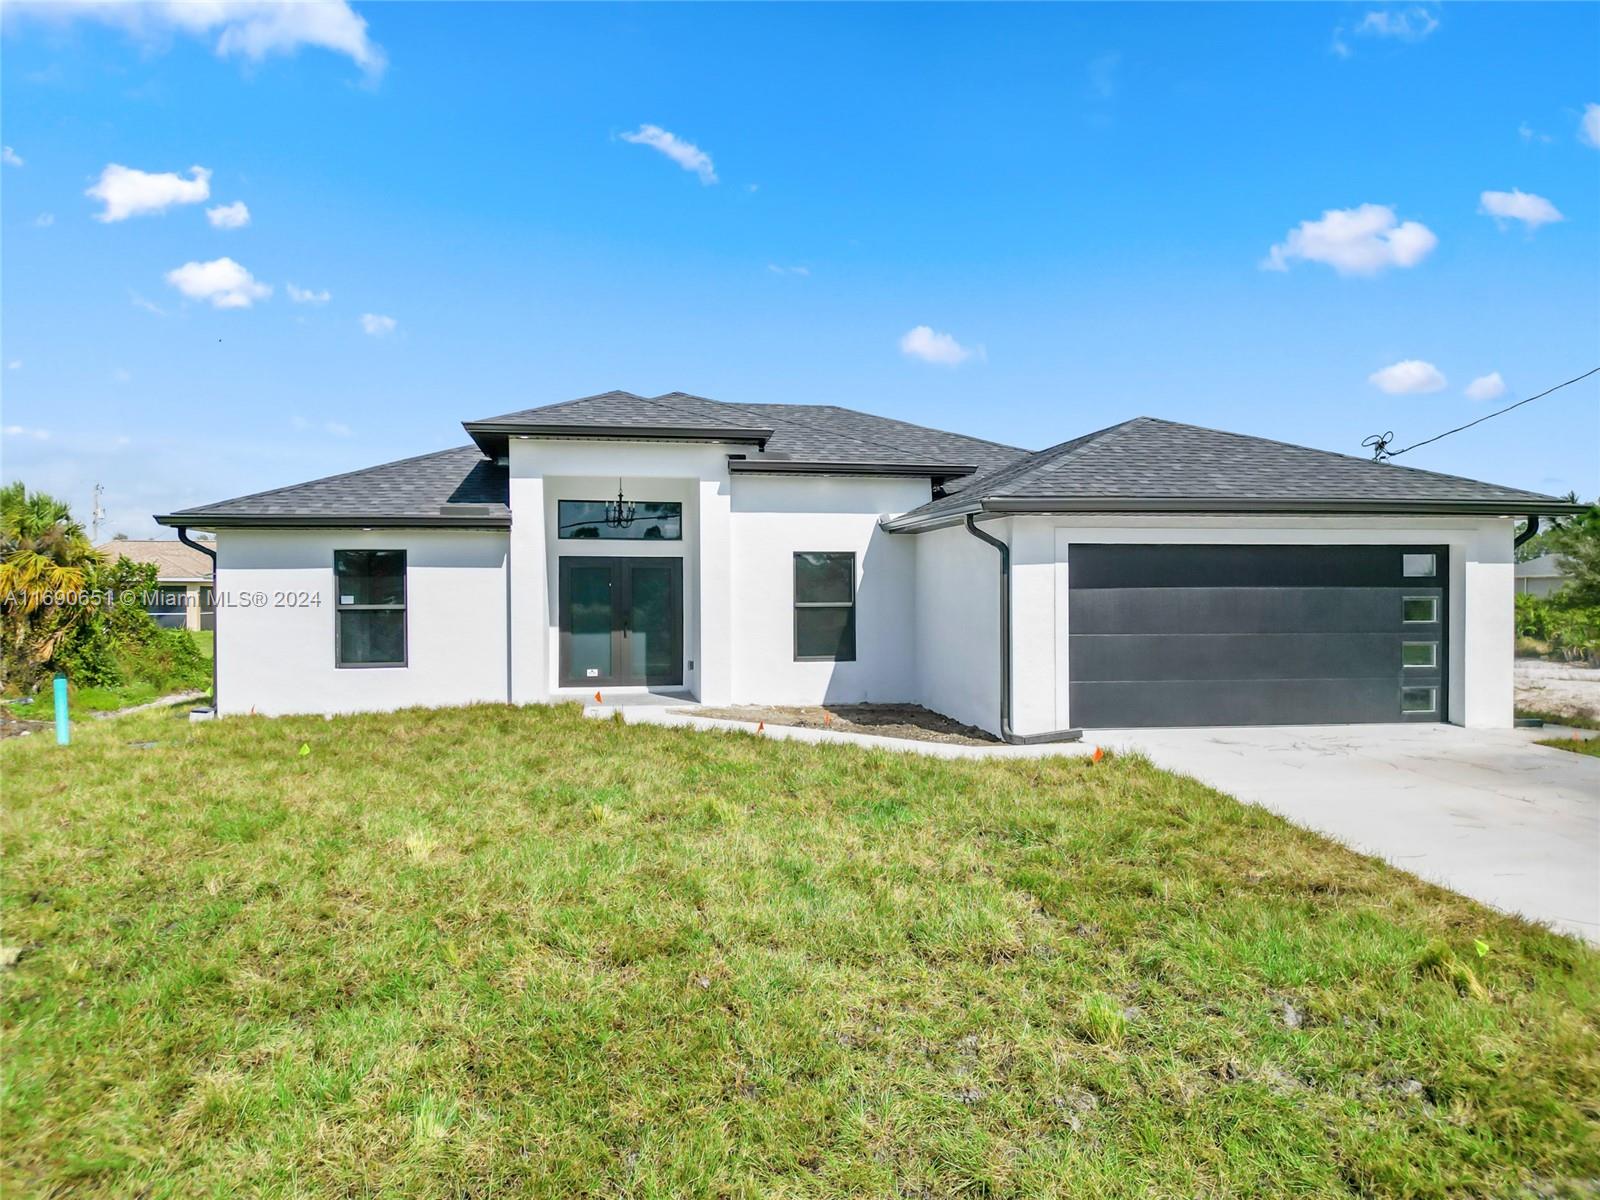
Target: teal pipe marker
{"x": 63, "y": 729}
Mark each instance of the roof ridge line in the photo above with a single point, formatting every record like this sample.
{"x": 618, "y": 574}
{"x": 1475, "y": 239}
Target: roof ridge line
{"x": 1040, "y": 459}
{"x": 290, "y": 487}
{"x": 850, "y": 436}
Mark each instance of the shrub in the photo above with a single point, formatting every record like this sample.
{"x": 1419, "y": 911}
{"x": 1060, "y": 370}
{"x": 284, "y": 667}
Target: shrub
{"x": 1575, "y": 632}
{"x": 1533, "y": 617}
{"x": 118, "y": 642}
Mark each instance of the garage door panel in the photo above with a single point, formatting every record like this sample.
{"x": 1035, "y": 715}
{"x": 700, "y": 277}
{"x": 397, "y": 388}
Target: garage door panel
{"x": 1145, "y": 656}
{"x": 1203, "y": 610}
{"x": 1254, "y": 635}
{"x": 1170, "y": 703}
{"x": 1134, "y": 566}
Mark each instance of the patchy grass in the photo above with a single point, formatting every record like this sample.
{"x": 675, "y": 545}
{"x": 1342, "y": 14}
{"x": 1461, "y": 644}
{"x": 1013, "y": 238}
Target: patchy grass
{"x": 1572, "y": 720}
{"x": 1589, "y": 746}
{"x": 495, "y": 951}
{"x": 42, "y": 707}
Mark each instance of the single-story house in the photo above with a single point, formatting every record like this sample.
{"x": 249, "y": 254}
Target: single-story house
{"x": 182, "y": 599}
{"x": 1540, "y": 576}
{"x": 1149, "y": 573}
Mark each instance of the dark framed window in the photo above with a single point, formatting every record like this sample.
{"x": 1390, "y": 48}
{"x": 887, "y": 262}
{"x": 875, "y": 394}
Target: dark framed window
{"x": 369, "y": 608}
{"x": 653, "y": 521}
{"x": 824, "y": 606}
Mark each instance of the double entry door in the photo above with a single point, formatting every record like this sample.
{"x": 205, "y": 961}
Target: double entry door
{"x": 621, "y": 621}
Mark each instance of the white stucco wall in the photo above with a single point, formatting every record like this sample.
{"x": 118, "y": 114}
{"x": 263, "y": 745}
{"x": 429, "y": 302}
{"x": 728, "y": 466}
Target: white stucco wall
{"x": 1480, "y": 590}
{"x": 957, "y": 623}
{"x": 776, "y": 516}
{"x": 545, "y": 471}
{"x": 277, "y": 656}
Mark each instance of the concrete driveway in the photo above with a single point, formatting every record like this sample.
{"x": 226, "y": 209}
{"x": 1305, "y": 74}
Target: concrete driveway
{"x": 1485, "y": 813}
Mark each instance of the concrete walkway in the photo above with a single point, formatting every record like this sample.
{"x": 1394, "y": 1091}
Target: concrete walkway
{"x": 1485, "y": 813}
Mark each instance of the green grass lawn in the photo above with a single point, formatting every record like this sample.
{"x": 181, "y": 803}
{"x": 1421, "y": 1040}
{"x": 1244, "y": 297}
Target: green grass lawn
{"x": 205, "y": 641}
{"x": 494, "y": 951}
{"x": 1589, "y": 746}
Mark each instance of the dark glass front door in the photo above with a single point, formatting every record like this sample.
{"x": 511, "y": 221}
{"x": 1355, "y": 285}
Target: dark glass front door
{"x": 621, "y": 621}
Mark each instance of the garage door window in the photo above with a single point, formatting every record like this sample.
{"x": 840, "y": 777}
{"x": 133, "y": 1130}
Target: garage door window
{"x": 1419, "y": 699}
{"x": 1420, "y": 610}
{"x": 1419, "y": 566}
{"x": 1419, "y": 654}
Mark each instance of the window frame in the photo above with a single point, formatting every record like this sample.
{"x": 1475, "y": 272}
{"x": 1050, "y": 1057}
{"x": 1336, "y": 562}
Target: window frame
{"x": 404, "y": 608}
{"x": 1433, "y": 564}
{"x": 1433, "y": 656}
{"x": 1433, "y": 699}
{"x": 563, "y": 536}
{"x": 1433, "y": 620}
{"x": 797, "y": 604}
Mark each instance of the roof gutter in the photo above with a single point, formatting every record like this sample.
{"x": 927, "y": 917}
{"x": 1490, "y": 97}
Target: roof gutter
{"x": 216, "y": 642}
{"x": 1006, "y": 734}
{"x": 1138, "y": 506}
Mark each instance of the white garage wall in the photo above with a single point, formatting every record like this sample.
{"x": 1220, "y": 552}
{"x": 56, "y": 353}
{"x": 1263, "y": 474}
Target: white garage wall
{"x": 958, "y": 624}
{"x": 1480, "y": 603}
{"x": 775, "y": 516}
{"x": 277, "y": 657}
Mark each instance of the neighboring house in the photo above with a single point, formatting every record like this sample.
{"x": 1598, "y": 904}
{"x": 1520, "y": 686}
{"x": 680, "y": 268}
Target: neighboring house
{"x": 1150, "y": 573}
{"x": 1540, "y": 576}
{"x": 183, "y": 596}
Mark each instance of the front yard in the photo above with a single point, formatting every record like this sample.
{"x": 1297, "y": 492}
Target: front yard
{"x": 503, "y": 952}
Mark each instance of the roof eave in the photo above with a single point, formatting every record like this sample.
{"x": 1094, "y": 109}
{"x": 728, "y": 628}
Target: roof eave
{"x": 1047, "y": 506}
{"x": 758, "y": 466}
{"x": 196, "y": 520}
{"x": 493, "y": 436}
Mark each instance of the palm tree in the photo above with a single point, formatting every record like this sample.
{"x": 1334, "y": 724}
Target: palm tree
{"x": 45, "y": 560}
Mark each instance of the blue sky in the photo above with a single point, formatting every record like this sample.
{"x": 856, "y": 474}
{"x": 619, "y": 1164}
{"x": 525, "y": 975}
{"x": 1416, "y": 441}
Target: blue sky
{"x": 1079, "y": 203}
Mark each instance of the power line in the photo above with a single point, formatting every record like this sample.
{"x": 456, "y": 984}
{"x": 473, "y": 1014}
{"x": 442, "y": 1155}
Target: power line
{"x": 1379, "y": 442}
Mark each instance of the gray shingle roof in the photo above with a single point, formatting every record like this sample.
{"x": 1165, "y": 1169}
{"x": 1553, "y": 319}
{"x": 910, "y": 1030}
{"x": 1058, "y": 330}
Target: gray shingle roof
{"x": 458, "y": 487}
{"x": 800, "y": 433}
{"x": 1150, "y": 465}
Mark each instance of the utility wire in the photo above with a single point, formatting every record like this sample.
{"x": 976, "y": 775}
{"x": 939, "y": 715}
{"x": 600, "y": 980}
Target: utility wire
{"x": 1379, "y": 442}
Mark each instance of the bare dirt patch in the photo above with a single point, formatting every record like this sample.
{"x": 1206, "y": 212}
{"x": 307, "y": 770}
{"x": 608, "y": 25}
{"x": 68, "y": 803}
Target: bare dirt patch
{"x": 909, "y": 721}
{"x": 1567, "y": 689}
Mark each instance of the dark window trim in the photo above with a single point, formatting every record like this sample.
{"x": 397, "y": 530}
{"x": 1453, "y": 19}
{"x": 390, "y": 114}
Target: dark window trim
{"x": 404, "y": 608}
{"x": 794, "y": 577}
{"x": 562, "y": 536}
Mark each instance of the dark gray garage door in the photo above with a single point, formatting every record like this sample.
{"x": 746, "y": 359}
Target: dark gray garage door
{"x": 1255, "y": 635}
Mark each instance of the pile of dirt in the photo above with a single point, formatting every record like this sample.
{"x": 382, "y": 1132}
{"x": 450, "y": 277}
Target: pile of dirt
{"x": 1568, "y": 689}
{"x": 910, "y": 721}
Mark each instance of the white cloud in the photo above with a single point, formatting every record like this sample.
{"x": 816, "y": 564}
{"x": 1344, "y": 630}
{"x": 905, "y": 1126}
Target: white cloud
{"x": 38, "y": 435}
{"x": 122, "y": 375}
{"x": 779, "y": 270}
{"x": 336, "y": 428}
{"x": 1529, "y": 134}
{"x": 1103, "y": 75}
{"x": 221, "y": 281}
{"x": 127, "y": 192}
{"x": 378, "y": 325}
{"x": 10, "y": 157}
{"x": 1533, "y": 211}
{"x": 44, "y": 220}
{"x": 1354, "y": 241}
{"x": 1403, "y": 24}
{"x": 302, "y": 295}
{"x": 939, "y": 348}
{"x": 229, "y": 216}
{"x": 149, "y": 306}
{"x": 1409, "y": 377}
{"x": 14, "y": 365}
{"x": 686, "y": 154}
{"x": 1486, "y": 387}
{"x": 249, "y": 29}
{"x": 1339, "y": 47}
{"x": 1589, "y": 126}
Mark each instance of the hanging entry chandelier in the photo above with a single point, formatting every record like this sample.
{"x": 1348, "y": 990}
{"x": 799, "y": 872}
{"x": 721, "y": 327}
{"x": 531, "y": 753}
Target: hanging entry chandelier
{"x": 620, "y": 515}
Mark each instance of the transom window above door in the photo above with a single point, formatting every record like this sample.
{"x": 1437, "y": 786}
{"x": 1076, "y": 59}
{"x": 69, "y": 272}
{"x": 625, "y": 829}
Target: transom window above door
{"x": 650, "y": 521}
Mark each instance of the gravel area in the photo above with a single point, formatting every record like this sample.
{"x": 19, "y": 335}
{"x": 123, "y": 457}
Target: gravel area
{"x": 1561, "y": 688}
{"x": 884, "y": 720}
